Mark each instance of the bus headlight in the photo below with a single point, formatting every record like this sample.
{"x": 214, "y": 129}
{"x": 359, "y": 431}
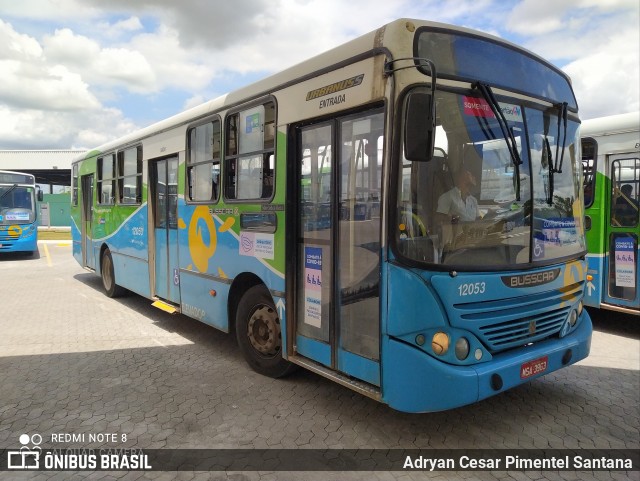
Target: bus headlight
{"x": 462, "y": 348}
{"x": 573, "y": 317}
{"x": 440, "y": 343}
{"x": 580, "y": 308}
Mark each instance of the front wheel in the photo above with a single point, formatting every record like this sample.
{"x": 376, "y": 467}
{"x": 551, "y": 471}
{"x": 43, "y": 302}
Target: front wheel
{"x": 259, "y": 334}
{"x": 108, "y": 276}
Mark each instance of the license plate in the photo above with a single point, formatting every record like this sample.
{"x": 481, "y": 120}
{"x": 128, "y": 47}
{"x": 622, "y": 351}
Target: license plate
{"x": 534, "y": 367}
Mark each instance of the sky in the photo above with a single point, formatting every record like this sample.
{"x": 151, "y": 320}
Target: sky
{"x": 75, "y": 74}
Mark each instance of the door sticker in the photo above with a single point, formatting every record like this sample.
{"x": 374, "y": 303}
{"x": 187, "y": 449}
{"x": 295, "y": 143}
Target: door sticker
{"x": 313, "y": 286}
{"x": 625, "y": 263}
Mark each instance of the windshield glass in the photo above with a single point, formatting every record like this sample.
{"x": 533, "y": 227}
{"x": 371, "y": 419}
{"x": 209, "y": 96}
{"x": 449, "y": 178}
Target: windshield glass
{"x": 472, "y": 204}
{"x": 469, "y": 57}
{"x": 557, "y": 201}
{"x": 16, "y": 204}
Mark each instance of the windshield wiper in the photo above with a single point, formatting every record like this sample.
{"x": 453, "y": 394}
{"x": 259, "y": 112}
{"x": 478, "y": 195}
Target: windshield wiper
{"x": 556, "y": 167}
{"x": 6, "y": 192}
{"x": 547, "y": 159}
{"x": 512, "y": 145}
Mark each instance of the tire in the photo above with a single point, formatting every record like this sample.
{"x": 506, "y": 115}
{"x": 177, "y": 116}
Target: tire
{"x": 111, "y": 289}
{"x": 259, "y": 335}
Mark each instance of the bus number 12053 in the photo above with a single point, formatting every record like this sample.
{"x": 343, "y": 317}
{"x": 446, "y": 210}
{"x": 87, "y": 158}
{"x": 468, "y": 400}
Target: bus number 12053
{"x": 471, "y": 288}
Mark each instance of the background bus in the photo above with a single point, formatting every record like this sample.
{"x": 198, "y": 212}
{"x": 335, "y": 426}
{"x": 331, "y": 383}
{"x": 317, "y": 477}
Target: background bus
{"x": 302, "y": 213}
{"x": 18, "y": 212}
{"x": 611, "y": 166}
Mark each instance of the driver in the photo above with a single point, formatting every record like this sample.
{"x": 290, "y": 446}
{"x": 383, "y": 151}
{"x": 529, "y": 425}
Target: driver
{"x": 457, "y": 204}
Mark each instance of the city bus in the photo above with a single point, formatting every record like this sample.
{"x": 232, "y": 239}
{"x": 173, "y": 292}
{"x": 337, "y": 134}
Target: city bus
{"x": 302, "y": 214}
{"x": 18, "y": 212}
{"x": 611, "y": 166}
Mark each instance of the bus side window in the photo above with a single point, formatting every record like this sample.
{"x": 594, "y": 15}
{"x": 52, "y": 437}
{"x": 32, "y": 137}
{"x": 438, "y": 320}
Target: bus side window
{"x": 203, "y": 162}
{"x": 250, "y": 153}
{"x": 626, "y": 207}
{"x": 625, "y": 180}
{"x": 107, "y": 179}
{"x": 589, "y": 147}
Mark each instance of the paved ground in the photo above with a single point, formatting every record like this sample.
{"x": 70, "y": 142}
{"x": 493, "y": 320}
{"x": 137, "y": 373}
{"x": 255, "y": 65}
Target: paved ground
{"x": 74, "y": 361}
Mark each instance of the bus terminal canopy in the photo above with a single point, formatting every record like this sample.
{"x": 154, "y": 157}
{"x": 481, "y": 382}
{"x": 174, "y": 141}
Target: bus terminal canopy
{"x": 48, "y": 166}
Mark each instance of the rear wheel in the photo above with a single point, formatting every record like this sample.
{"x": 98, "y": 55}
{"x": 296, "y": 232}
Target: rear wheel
{"x": 259, "y": 334}
{"x": 108, "y": 276}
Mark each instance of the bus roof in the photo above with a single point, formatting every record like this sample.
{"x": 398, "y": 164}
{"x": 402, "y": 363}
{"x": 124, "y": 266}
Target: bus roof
{"x": 12, "y": 177}
{"x": 306, "y": 69}
{"x": 610, "y": 125}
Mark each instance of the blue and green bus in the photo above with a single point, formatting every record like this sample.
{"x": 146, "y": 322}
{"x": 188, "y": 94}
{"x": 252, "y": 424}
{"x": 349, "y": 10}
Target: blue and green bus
{"x": 18, "y": 212}
{"x": 402, "y": 214}
{"x": 611, "y": 165}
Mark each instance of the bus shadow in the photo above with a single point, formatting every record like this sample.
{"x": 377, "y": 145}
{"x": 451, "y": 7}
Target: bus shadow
{"x": 191, "y": 329}
{"x": 617, "y": 323}
{"x": 19, "y": 256}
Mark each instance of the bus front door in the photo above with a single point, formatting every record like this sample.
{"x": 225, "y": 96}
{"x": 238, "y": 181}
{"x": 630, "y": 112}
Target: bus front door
{"x": 621, "y": 263}
{"x": 338, "y": 246}
{"x": 88, "y": 256}
{"x": 164, "y": 192}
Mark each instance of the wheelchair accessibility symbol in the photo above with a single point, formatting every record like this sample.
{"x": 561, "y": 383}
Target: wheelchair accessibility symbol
{"x": 26, "y": 457}
{"x": 538, "y": 248}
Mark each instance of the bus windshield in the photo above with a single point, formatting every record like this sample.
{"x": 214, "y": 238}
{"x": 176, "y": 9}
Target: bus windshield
{"x": 471, "y": 58}
{"x": 479, "y": 204}
{"x": 16, "y": 204}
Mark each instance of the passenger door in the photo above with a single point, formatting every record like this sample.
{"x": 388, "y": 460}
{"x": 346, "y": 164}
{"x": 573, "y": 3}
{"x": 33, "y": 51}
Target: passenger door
{"x": 164, "y": 245}
{"x": 621, "y": 264}
{"x": 337, "y": 285}
{"x": 88, "y": 256}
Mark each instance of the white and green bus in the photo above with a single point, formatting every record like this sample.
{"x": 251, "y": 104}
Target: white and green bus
{"x": 611, "y": 164}
{"x": 313, "y": 214}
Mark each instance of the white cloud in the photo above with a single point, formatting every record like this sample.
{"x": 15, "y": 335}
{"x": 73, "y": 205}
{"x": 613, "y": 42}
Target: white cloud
{"x": 538, "y": 17}
{"x": 84, "y": 55}
{"x": 597, "y": 42}
{"x": 571, "y": 29}
{"x": 172, "y": 65}
{"x": 194, "y": 101}
{"x": 121, "y": 67}
{"x": 64, "y": 10}
{"x": 45, "y": 102}
{"x": 115, "y": 31}
{"x": 40, "y": 86}
{"x": 200, "y": 22}
{"x": 607, "y": 80}
{"x": 14, "y": 45}
{"x": 37, "y": 129}
{"x": 131, "y": 24}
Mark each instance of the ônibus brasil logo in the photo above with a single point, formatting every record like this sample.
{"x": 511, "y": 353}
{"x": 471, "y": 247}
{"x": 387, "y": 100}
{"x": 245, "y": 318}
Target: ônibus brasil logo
{"x": 28, "y": 456}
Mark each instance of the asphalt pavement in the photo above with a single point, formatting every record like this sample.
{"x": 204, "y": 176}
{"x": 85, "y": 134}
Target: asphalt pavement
{"x": 73, "y": 361}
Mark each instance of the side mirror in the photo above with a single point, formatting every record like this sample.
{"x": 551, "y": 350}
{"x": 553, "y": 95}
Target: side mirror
{"x": 40, "y": 196}
{"x": 419, "y": 127}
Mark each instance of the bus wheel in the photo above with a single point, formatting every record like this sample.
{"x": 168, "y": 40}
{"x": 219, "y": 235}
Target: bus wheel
{"x": 259, "y": 335}
{"x": 108, "y": 277}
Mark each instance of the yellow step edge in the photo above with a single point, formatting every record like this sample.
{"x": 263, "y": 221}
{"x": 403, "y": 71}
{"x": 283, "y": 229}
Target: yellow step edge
{"x": 163, "y": 306}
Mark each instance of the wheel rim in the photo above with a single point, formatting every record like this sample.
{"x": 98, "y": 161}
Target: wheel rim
{"x": 264, "y": 331}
